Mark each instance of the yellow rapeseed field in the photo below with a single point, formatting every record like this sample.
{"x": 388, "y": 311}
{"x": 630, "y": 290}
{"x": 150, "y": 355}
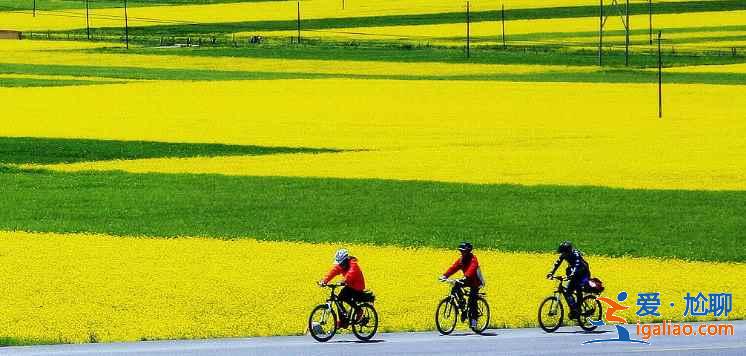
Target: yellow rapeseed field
{"x": 724, "y": 68}
{"x": 491, "y": 30}
{"x": 479, "y": 132}
{"x": 253, "y": 11}
{"x": 56, "y": 52}
{"x": 74, "y": 288}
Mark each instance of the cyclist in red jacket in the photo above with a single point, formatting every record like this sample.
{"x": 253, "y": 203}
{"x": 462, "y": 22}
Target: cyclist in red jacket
{"x": 352, "y": 277}
{"x": 473, "y": 279}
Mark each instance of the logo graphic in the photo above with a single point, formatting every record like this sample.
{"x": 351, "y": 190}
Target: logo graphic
{"x": 613, "y": 307}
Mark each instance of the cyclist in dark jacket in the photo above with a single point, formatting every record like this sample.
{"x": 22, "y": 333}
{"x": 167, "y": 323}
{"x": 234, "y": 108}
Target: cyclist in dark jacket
{"x": 577, "y": 272}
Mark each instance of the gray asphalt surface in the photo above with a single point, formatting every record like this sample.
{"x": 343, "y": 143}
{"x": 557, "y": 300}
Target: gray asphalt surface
{"x": 565, "y": 341}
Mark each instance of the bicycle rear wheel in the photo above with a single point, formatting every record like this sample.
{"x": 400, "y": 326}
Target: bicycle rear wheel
{"x": 590, "y": 310}
{"x": 446, "y": 316}
{"x": 483, "y": 316}
{"x": 322, "y": 323}
{"x": 366, "y": 326}
{"x": 551, "y": 313}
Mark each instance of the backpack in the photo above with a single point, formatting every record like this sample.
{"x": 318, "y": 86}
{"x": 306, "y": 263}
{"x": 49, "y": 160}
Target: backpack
{"x": 595, "y": 286}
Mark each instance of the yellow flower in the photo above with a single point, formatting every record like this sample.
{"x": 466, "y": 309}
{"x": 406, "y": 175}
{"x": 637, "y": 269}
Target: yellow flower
{"x": 473, "y": 132}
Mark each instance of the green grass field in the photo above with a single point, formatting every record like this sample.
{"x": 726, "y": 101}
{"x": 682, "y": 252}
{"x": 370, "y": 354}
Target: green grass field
{"x": 27, "y": 5}
{"x": 604, "y": 221}
{"x": 18, "y": 150}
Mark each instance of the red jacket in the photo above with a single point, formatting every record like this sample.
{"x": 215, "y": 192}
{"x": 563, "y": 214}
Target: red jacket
{"x": 471, "y": 271}
{"x": 353, "y": 276}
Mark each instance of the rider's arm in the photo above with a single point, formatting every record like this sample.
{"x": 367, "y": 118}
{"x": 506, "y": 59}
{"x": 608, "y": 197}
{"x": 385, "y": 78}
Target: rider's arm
{"x": 337, "y": 269}
{"x": 556, "y": 264}
{"x": 451, "y": 270}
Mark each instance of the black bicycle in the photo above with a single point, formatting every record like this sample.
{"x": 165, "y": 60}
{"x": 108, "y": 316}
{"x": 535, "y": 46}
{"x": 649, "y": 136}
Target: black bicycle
{"x": 328, "y": 317}
{"x": 552, "y": 312}
{"x": 455, "y": 305}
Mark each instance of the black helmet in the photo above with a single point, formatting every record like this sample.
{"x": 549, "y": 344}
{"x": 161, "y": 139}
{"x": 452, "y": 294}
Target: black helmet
{"x": 465, "y": 247}
{"x": 565, "y": 247}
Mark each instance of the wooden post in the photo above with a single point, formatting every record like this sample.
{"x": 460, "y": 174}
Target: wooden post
{"x": 626, "y": 37}
{"x": 468, "y": 30}
{"x": 126, "y": 27}
{"x": 34, "y": 13}
{"x": 660, "y": 78}
{"x": 503, "y": 21}
{"x": 601, "y": 35}
{"x": 87, "y": 22}
{"x": 298, "y": 23}
{"x": 343, "y": 4}
{"x": 650, "y": 20}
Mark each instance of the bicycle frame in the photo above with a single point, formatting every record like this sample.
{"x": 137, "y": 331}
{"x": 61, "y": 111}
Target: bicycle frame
{"x": 458, "y": 296}
{"x": 333, "y": 301}
{"x": 561, "y": 293}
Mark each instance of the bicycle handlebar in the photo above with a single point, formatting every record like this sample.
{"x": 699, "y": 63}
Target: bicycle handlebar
{"x": 332, "y": 285}
{"x": 452, "y": 281}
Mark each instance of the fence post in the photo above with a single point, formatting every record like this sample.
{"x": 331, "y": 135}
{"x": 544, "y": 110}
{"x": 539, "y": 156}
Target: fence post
{"x": 34, "y": 13}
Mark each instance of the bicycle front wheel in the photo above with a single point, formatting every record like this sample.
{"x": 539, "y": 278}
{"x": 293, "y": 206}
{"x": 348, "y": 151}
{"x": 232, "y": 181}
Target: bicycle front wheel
{"x": 446, "y": 316}
{"x": 551, "y": 314}
{"x": 483, "y": 316}
{"x": 590, "y": 310}
{"x": 322, "y": 324}
{"x": 366, "y": 323}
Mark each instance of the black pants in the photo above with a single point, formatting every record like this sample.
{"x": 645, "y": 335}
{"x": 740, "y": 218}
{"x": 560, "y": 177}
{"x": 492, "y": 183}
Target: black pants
{"x": 349, "y": 296}
{"x": 574, "y": 291}
{"x": 472, "y": 301}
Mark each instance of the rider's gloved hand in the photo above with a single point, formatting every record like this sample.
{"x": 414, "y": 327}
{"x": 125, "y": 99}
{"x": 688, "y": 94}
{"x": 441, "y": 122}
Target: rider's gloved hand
{"x": 442, "y": 278}
{"x": 550, "y": 276}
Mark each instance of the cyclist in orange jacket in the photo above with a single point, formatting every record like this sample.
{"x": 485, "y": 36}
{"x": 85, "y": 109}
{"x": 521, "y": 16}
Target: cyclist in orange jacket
{"x": 473, "y": 279}
{"x": 352, "y": 277}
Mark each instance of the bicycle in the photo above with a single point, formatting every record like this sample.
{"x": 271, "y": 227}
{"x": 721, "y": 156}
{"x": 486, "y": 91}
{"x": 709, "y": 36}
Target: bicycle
{"x": 323, "y": 321}
{"x": 552, "y": 312}
{"x": 450, "y": 307}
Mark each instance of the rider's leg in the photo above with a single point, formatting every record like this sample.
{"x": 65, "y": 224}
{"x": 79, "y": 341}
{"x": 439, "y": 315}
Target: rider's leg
{"x": 345, "y": 296}
{"x": 570, "y": 295}
{"x": 473, "y": 293}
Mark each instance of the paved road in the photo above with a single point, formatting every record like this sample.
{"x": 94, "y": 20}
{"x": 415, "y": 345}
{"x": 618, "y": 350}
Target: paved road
{"x": 514, "y": 342}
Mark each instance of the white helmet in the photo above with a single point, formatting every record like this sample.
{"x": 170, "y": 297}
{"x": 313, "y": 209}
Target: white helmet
{"x": 341, "y": 256}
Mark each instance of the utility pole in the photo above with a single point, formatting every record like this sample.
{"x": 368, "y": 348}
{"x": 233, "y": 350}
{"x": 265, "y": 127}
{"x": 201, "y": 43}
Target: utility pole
{"x": 660, "y": 79}
{"x": 468, "y": 30}
{"x": 626, "y": 41}
{"x": 503, "y": 20}
{"x": 126, "y": 27}
{"x": 601, "y": 35}
{"x": 298, "y": 23}
{"x": 650, "y": 19}
{"x": 87, "y": 22}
